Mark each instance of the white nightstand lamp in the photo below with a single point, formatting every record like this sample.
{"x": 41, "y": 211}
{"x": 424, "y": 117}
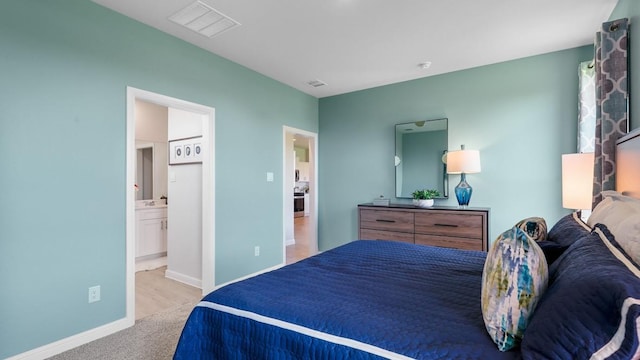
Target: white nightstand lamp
{"x": 577, "y": 182}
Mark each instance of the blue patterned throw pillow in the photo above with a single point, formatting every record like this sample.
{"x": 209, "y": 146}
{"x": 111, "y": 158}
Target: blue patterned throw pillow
{"x": 514, "y": 278}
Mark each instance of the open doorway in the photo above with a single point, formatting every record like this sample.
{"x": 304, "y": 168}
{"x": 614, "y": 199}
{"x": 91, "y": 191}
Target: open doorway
{"x": 203, "y": 117}
{"x": 151, "y": 137}
{"x": 300, "y": 194}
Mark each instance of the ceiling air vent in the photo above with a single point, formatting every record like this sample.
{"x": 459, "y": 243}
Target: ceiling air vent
{"x": 317, "y": 83}
{"x": 203, "y": 19}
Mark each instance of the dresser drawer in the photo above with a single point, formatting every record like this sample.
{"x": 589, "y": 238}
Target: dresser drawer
{"x": 369, "y": 234}
{"x": 450, "y": 224}
{"x": 387, "y": 220}
{"x": 449, "y": 242}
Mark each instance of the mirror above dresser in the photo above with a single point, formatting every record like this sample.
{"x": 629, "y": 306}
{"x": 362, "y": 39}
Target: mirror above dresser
{"x": 420, "y": 147}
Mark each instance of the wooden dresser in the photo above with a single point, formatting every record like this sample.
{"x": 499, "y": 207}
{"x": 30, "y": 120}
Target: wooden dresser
{"x": 445, "y": 226}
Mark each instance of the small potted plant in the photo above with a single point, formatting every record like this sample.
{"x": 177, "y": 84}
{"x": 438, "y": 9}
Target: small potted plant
{"x": 424, "y": 198}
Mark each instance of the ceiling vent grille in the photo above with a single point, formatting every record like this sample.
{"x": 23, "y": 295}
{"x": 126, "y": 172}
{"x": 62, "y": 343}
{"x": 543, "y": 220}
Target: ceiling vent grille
{"x": 317, "y": 83}
{"x": 203, "y": 19}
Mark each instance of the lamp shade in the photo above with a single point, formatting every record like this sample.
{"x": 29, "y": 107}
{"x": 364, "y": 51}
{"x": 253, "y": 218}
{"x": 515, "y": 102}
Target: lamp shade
{"x": 463, "y": 161}
{"x": 577, "y": 180}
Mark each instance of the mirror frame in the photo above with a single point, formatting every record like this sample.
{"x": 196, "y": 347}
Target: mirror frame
{"x": 432, "y": 125}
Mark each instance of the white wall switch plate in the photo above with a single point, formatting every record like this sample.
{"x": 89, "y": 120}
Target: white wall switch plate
{"x": 172, "y": 176}
{"x": 270, "y": 176}
{"x": 256, "y": 251}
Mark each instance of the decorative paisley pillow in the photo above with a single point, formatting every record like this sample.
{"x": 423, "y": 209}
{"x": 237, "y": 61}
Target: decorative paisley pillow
{"x": 514, "y": 278}
{"x": 535, "y": 227}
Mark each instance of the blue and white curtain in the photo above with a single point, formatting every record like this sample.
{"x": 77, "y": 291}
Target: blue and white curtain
{"x": 587, "y": 107}
{"x": 611, "y": 103}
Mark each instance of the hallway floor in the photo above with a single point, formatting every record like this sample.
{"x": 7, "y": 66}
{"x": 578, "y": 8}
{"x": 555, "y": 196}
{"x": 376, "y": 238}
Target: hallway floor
{"x": 302, "y": 233}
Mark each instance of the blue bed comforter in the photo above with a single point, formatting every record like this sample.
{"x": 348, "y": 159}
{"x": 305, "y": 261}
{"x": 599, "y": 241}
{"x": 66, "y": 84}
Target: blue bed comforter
{"x": 363, "y": 300}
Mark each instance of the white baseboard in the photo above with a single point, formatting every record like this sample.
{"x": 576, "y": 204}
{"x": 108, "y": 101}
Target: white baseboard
{"x": 291, "y": 241}
{"x": 249, "y": 276}
{"x": 185, "y": 279}
{"x": 74, "y": 341}
{"x": 150, "y": 264}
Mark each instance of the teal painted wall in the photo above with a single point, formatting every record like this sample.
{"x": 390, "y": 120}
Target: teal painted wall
{"x": 631, "y": 9}
{"x": 521, "y": 115}
{"x": 64, "y": 68}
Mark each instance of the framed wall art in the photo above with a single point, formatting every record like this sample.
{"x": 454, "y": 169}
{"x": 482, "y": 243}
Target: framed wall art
{"x": 185, "y": 151}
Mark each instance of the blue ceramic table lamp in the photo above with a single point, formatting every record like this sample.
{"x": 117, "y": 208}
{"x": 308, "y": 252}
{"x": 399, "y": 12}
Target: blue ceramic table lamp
{"x": 463, "y": 162}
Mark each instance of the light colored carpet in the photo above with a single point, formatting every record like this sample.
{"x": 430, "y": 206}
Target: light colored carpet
{"x": 151, "y": 338}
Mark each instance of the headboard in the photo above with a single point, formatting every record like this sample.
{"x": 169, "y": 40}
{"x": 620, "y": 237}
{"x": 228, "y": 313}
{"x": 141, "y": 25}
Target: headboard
{"x": 628, "y": 164}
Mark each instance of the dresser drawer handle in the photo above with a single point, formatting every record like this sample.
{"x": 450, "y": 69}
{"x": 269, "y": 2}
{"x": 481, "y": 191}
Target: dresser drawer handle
{"x": 386, "y": 221}
{"x": 446, "y": 225}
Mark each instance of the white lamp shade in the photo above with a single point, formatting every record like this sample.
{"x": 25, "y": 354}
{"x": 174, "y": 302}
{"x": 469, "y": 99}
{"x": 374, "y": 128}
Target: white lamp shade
{"x": 577, "y": 180}
{"x": 463, "y": 161}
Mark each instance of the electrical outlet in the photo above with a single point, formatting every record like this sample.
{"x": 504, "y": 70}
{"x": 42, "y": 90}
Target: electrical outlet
{"x": 256, "y": 251}
{"x": 94, "y": 294}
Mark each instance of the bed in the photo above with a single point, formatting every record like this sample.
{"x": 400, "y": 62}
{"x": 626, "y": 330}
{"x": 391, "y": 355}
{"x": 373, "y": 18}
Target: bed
{"x": 381, "y": 299}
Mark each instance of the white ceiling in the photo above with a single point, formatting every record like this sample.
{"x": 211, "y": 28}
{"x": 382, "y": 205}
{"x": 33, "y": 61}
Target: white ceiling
{"x": 358, "y": 44}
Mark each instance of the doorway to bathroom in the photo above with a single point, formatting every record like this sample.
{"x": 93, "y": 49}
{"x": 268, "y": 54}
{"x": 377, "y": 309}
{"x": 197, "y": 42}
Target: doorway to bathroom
{"x": 189, "y": 185}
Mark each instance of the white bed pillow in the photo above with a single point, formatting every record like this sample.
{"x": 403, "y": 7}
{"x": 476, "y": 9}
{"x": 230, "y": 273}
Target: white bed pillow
{"x": 627, "y": 234}
{"x": 613, "y": 209}
{"x": 599, "y": 212}
{"x": 621, "y": 215}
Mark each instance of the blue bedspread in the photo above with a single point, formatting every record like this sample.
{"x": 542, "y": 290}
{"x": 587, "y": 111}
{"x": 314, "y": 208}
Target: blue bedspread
{"x": 363, "y": 300}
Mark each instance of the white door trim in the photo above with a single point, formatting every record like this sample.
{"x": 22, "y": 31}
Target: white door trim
{"x": 208, "y": 189}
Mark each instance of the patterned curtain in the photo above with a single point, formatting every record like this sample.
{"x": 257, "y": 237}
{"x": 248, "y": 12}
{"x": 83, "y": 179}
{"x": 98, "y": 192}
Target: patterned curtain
{"x": 612, "y": 105}
{"x": 586, "y": 107}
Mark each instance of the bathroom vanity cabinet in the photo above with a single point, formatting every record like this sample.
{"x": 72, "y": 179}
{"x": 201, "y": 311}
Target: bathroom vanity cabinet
{"x": 151, "y": 232}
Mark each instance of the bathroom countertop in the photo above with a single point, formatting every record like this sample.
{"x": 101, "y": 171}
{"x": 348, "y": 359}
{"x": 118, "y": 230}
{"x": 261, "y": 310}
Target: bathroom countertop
{"x": 144, "y": 204}
{"x": 145, "y": 207}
